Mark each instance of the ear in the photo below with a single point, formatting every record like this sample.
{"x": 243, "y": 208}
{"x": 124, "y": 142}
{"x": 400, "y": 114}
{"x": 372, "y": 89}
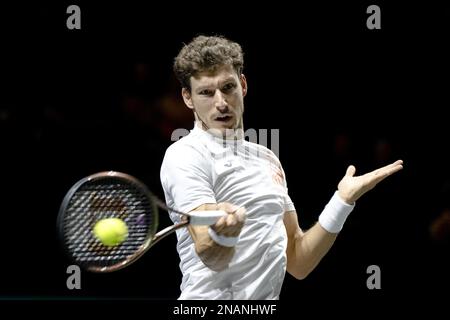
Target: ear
{"x": 243, "y": 84}
{"x": 187, "y": 98}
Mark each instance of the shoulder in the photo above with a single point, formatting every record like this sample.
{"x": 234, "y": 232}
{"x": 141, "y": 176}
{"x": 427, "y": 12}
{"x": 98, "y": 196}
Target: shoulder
{"x": 187, "y": 147}
{"x": 188, "y": 151}
{"x": 185, "y": 165}
{"x": 262, "y": 152}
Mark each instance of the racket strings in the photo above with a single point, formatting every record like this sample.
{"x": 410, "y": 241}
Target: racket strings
{"x": 100, "y": 200}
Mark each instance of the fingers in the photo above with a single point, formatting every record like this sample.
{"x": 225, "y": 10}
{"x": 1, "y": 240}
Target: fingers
{"x": 396, "y": 164}
{"x": 241, "y": 215}
{"x": 389, "y": 169}
{"x": 384, "y": 172}
{"x": 231, "y": 224}
{"x": 227, "y": 207}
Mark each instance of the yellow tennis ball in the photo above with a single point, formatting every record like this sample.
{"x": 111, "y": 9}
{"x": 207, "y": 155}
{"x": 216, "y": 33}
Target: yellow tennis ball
{"x": 111, "y": 231}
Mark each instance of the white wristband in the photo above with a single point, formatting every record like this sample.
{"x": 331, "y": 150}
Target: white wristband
{"x": 222, "y": 240}
{"x": 335, "y": 213}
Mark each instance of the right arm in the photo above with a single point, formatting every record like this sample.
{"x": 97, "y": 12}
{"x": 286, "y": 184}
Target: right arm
{"x": 192, "y": 173}
{"x": 213, "y": 255}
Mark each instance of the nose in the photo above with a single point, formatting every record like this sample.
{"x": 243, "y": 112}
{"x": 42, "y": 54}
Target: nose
{"x": 220, "y": 102}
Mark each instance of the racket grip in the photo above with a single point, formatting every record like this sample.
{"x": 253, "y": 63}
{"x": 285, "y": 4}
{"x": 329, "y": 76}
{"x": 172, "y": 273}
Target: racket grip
{"x": 206, "y": 218}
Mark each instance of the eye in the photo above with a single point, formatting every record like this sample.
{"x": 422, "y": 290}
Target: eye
{"x": 228, "y": 87}
{"x": 206, "y": 92}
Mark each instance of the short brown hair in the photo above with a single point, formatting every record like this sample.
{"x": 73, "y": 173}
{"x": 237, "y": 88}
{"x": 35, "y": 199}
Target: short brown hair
{"x": 206, "y": 53}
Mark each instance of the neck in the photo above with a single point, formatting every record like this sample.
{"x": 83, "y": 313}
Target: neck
{"x": 225, "y": 134}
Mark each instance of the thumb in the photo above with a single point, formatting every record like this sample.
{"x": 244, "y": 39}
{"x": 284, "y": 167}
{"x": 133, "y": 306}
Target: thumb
{"x": 350, "y": 171}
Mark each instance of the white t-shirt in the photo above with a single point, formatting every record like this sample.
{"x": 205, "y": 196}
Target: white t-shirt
{"x": 201, "y": 168}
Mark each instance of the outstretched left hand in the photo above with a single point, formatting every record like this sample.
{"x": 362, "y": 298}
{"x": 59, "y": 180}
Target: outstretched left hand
{"x": 351, "y": 188}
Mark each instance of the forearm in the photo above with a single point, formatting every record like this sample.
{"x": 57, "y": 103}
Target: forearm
{"x": 305, "y": 250}
{"x": 308, "y": 249}
{"x": 215, "y": 244}
{"x": 213, "y": 255}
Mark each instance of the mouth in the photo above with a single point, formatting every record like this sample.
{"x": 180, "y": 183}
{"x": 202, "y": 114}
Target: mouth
{"x": 223, "y": 118}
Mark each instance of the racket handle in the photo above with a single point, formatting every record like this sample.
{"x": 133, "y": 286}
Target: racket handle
{"x": 206, "y": 218}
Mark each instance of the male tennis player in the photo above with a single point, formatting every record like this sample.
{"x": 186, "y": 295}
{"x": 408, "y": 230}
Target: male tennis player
{"x": 246, "y": 253}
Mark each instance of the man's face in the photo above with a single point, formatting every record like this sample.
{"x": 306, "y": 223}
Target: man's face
{"x": 217, "y": 97}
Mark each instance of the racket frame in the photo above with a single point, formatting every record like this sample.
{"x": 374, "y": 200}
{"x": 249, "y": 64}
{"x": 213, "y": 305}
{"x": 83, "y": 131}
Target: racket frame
{"x": 150, "y": 238}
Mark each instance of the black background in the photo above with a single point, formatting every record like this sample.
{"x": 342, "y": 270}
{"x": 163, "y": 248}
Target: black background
{"x": 75, "y": 102}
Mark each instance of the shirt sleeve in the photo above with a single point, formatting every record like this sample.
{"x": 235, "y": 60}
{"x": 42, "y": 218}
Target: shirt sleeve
{"x": 288, "y": 203}
{"x": 186, "y": 179}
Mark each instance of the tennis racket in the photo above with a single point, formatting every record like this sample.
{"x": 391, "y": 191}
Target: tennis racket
{"x": 116, "y": 195}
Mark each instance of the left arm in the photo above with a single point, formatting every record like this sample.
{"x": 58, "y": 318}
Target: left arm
{"x": 306, "y": 249}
